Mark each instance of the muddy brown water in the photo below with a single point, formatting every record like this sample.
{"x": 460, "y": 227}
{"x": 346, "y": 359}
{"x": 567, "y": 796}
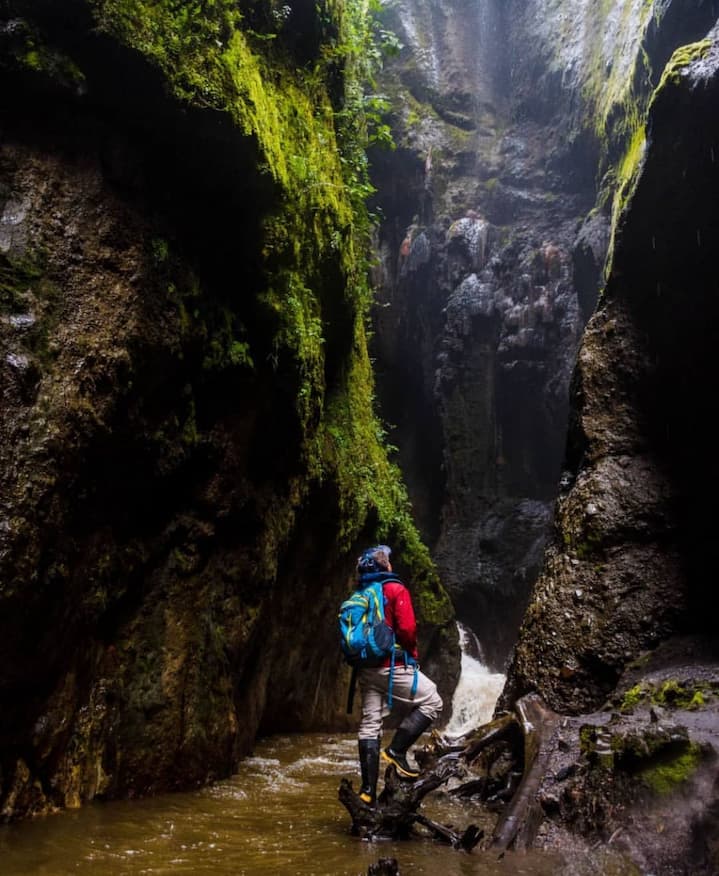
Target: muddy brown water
{"x": 279, "y": 815}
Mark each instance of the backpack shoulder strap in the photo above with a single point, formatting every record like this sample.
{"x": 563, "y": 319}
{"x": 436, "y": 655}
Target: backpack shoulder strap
{"x": 376, "y": 596}
{"x": 394, "y": 581}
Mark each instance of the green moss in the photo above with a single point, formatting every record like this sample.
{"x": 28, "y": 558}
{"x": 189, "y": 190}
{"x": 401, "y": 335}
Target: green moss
{"x": 587, "y": 738}
{"x": 33, "y": 60}
{"x": 160, "y": 250}
{"x": 228, "y": 346}
{"x": 672, "y": 770}
{"x": 633, "y": 697}
{"x": 631, "y": 159}
{"x": 621, "y": 113}
{"x": 640, "y": 662}
{"x": 413, "y": 118}
{"x": 587, "y": 548}
{"x": 315, "y": 245}
{"x": 616, "y": 94}
{"x": 190, "y": 435}
{"x": 370, "y": 487}
{"x": 698, "y": 701}
{"x": 28, "y": 50}
{"x": 680, "y": 695}
{"x": 26, "y": 291}
{"x": 18, "y": 277}
{"x": 671, "y": 694}
{"x": 622, "y": 182}
{"x": 683, "y": 57}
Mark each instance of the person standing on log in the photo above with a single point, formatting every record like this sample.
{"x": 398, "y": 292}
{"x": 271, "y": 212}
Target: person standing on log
{"x": 393, "y": 682}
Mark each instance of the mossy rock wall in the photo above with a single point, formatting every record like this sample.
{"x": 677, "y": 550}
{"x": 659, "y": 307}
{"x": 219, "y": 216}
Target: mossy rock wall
{"x": 189, "y": 455}
{"x": 628, "y": 566}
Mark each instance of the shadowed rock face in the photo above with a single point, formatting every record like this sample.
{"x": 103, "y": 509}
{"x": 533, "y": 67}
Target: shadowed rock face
{"x": 491, "y": 261}
{"x": 634, "y": 782}
{"x": 137, "y": 627}
{"x": 161, "y": 515}
{"x": 632, "y": 558}
{"x": 619, "y": 635}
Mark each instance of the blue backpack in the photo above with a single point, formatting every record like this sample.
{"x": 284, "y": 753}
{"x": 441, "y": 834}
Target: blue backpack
{"x": 365, "y": 637}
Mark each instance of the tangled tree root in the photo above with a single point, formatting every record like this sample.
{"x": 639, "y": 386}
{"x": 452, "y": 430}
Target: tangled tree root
{"x": 521, "y": 733}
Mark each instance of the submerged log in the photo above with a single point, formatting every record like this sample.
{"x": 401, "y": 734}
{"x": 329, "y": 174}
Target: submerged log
{"x": 467, "y": 840}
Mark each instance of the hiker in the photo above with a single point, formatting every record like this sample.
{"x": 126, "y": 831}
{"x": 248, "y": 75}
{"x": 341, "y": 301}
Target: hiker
{"x": 396, "y": 680}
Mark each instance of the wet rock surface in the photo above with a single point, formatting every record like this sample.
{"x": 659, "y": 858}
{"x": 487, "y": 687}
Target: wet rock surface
{"x": 628, "y": 571}
{"x": 640, "y": 777}
{"x": 629, "y": 787}
{"x": 494, "y": 307}
{"x": 479, "y": 317}
{"x": 492, "y": 256}
{"x": 627, "y": 566}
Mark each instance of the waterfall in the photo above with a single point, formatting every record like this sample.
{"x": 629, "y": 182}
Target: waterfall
{"x": 477, "y": 691}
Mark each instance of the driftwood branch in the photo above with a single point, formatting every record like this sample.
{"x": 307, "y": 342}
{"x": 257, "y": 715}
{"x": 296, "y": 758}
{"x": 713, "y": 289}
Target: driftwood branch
{"x": 469, "y": 746}
{"x": 466, "y": 840}
{"x": 517, "y": 742}
{"x": 396, "y": 815}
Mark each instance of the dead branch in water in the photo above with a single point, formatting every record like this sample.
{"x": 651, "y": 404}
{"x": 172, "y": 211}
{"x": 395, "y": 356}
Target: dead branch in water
{"x": 514, "y": 739}
{"x": 396, "y": 812}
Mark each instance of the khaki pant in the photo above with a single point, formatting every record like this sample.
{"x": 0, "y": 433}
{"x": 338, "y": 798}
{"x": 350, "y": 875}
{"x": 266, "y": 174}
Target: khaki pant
{"x": 374, "y": 686}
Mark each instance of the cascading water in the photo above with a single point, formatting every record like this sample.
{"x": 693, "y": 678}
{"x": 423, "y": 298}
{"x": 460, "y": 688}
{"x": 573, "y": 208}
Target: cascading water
{"x": 477, "y": 691}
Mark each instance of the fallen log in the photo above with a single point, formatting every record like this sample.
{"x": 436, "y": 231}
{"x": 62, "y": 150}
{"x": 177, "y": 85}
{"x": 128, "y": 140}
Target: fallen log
{"x": 518, "y": 825}
{"x": 496, "y": 731}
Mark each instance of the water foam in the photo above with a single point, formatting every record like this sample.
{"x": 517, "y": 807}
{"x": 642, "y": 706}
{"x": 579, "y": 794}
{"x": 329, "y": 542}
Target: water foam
{"x": 477, "y": 691}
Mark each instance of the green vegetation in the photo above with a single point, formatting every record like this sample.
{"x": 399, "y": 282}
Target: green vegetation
{"x": 620, "y": 102}
{"x": 682, "y": 57}
{"x": 27, "y": 50}
{"x": 671, "y": 770}
{"x": 17, "y": 277}
{"x": 670, "y": 694}
{"x": 310, "y": 141}
{"x": 27, "y": 293}
{"x": 370, "y": 486}
{"x": 615, "y": 75}
{"x": 659, "y": 759}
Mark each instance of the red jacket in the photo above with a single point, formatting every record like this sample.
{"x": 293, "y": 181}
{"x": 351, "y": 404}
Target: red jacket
{"x": 399, "y": 614}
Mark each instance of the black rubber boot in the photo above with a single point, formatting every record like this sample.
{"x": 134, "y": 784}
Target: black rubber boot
{"x": 405, "y": 735}
{"x": 369, "y": 765}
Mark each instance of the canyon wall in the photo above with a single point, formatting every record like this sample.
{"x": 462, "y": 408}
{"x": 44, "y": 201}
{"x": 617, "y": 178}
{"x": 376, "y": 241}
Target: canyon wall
{"x": 517, "y": 128}
{"x": 189, "y": 457}
{"x": 629, "y": 564}
{"x": 619, "y": 637}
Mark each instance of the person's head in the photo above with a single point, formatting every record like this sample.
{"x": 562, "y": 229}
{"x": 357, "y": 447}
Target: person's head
{"x": 374, "y": 559}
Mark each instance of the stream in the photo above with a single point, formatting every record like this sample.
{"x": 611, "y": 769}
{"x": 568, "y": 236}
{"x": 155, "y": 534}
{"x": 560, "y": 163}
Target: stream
{"x": 278, "y": 815}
